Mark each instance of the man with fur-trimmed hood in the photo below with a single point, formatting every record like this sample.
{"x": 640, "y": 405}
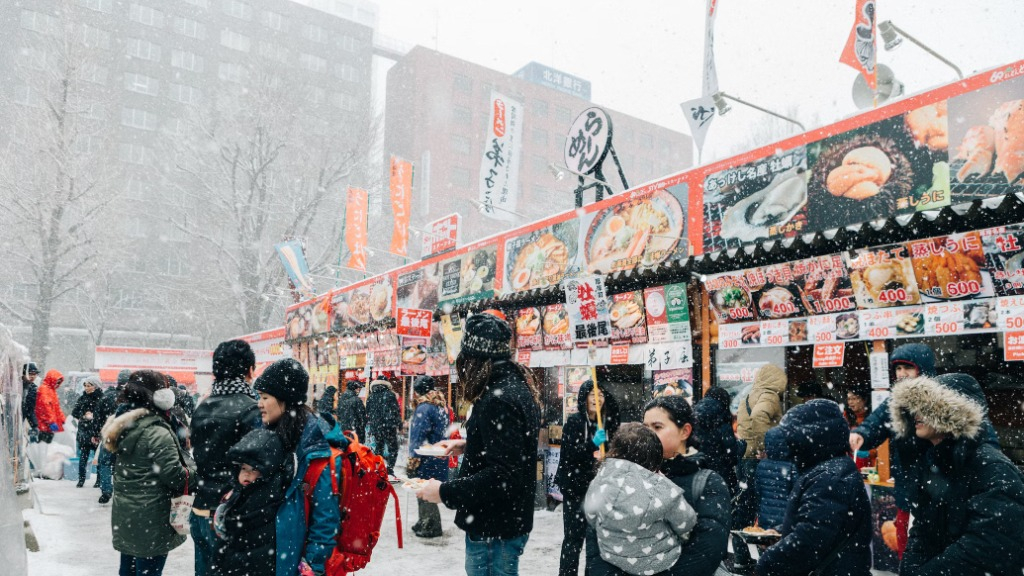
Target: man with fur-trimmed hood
{"x": 967, "y": 496}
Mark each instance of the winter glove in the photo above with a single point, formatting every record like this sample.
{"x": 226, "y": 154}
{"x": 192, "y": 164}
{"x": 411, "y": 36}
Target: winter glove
{"x": 54, "y": 427}
{"x": 600, "y": 437}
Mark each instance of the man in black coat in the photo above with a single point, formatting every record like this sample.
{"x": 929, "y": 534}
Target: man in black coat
{"x": 967, "y": 497}
{"x": 218, "y": 423}
{"x": 494, "y": 493}
{"x": 827, "y": 527}
{"x": 384, "y": 418}
{"x": 715, "y": 437}
{"x": 351, "y": 411}
{"x": 87, "y": 412}
{"x": 29, "y": 372}
{"x": 325, "y": 405}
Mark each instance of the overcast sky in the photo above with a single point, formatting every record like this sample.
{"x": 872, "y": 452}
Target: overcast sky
{"x": 644, "y": 57}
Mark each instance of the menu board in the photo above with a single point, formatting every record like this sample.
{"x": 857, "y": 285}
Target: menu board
{"x": 730, "y": 297}
{"x": 556, "y": 328}
{"x": 766, "y": 198}
{"x": 451, "y": 330}
{"x": 645, "y": 230}
{"x": 825, "y": 285}
{"x": 1004, "y": 254}
{"x": 951, "y": 268}
{"x": 529, "y": 334}
{"x": 775, "y": 291}
{"x": 469, "y": 277}
{"x": 541, "y": 258}
{"x": 419, "y": 288}
{"x": 298, "y": 321}
{"x": 627, "y": 318}
{"x": 882, "y": 277}
{"x": 365, "y": 303}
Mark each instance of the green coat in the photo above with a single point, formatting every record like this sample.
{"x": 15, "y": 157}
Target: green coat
{"x": 148, "y": 473}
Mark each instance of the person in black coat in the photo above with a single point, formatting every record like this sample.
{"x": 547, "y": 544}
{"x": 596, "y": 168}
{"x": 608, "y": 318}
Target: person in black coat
{"x": 325, "y": 405}
{"x": 967, "y": 496}
{"x": 184, "y": 400}
{"x": 577, "y": 467}
{"x": 827, "y": 527}
{"x": 494, "y": 493}
{"x": 717, "y": 440}
{"x": 220, "y": 422}
{"x": 246, "y": 521}
{"x": 384, "y": 418}
{"x": 87, "y": 413}
{"x": 351, "y": 410}
{"x": 29, "y": 390}
{"x": 776, "y": 477}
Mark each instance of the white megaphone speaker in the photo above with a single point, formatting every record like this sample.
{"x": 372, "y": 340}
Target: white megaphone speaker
{"x": 889, "y": 88}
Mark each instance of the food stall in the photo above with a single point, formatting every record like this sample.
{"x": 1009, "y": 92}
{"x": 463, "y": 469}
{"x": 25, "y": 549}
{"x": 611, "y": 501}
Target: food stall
{"x": 819, "y": 254}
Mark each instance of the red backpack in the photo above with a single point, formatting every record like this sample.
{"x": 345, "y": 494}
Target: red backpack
{"x": 363, "y": 490}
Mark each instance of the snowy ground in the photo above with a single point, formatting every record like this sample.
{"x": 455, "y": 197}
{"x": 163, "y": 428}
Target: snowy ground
{"x": 74, "y": 539}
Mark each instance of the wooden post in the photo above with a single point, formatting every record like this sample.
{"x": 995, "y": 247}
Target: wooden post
{"x": 705, "y": 339}
{"x": 882, "y": 460}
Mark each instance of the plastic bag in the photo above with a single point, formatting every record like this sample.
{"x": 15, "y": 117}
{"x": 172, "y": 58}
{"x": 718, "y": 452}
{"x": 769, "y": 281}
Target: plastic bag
{"x": 181, "y": 510}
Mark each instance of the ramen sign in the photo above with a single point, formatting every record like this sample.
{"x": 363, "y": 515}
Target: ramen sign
{"x": 588, "y": 141}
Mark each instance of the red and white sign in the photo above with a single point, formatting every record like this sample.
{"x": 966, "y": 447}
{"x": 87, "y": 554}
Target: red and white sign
{"x": 620, "y": 354}
{"x": 268, "y": 345}
{"x": 181, "y": 364}
{"x": 442, "y": 235}
{"x": 829, "y": 355}
{"x": 414, "y": 322}
{"x": 1013, "y": 347}
{"x": 523, "y": 356}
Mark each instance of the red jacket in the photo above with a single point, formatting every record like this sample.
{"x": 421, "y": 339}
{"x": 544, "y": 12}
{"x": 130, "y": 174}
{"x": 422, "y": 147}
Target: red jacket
{"x": 47, "y": 405}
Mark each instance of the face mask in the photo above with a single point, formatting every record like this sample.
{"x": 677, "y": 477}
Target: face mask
{"x": 163, "y": 398}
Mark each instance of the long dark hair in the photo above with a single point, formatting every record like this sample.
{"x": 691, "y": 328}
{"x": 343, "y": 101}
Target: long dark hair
{"x": 679, "y": 412}
{"x": 291, "y": 424}
{"x": 475, "y": 375}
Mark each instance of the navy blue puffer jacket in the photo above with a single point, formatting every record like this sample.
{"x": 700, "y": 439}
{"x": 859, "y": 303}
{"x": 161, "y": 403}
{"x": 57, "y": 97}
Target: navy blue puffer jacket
{"x": 776, "y": 477}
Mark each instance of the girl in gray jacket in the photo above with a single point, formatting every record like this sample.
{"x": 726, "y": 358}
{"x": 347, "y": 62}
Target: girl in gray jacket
{"x": 640, "y": 516}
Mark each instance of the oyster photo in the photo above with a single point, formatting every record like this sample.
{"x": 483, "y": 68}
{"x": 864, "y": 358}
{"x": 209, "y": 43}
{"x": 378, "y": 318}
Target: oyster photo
{"x": 751, "y": 218}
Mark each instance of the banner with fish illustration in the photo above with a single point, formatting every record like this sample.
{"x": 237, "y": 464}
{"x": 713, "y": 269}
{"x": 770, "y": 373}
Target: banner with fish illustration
{"x": 860, "y": 52}
{"x": 401, "y": 205}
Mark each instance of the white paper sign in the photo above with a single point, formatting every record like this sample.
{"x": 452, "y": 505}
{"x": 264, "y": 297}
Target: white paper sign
{"x": 499, "y": 166}
{"x": 879, "y": 371}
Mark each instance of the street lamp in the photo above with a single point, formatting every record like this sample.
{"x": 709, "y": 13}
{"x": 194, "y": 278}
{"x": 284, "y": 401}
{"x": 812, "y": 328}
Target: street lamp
{"x": 893, "y": 36}
{"x": 723, "y": 108}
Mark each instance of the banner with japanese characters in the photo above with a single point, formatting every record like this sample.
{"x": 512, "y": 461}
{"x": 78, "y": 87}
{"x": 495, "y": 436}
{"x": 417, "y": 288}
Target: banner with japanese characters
{"x": 401, "y": 204}
{"x": 413, "y": 322}
{"x": 627, "y": 318}
{"x": 442, "y": 235}
{"x": 355, "y": 227}
{"x": 500, "y": 165}
{"x": 556, "y": 328}
{"x": 883, "y": 277}
{"x": 529, "y": 335}
{"x": 587, "y": 305}
{"x": 468, "y": 277}
{"x": 730, "y": 297}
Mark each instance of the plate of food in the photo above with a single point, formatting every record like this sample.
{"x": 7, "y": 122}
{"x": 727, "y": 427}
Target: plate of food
{"x": 642, "y": 232}
{"x": 542, "y": 258}
{"x": 380, "y": 301}
{"x": 732, "y": 298}
{"x": 884, "y": 284}
{"x": 751, "y": 334}
{"x": 477, "y": 272}
{"x": 847, "y": 326}
{"x": 626, "y": 314}
{"x": 910, "y": 323}
{"x": 414, "y": 355}
{"x": 556, "y": 322}
{"x": 528, "y": 322}
{"x": 798, "y": 331}
{"x": 758, "y": 536}
{"x": 777, "y": 301}
{"x": 414, "y": 483}
{"x": 431, "y": 450}
{"x": 953, "y": 275}
{"x": 359, "y": 309}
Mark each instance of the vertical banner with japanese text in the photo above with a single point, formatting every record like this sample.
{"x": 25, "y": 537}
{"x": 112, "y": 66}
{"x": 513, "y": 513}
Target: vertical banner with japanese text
{"x": 860, "y": 51}
{"x": 355, "y": 227}
{"x": 401, "y": 204}
{"x": 499, "y": 168}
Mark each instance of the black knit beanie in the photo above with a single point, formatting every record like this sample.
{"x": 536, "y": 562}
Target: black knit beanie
{"x": 285, "y": 380}
{"x": 423, "y": 385}
{"x": 487, "y": 337}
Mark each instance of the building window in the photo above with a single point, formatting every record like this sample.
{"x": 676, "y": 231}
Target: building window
{"x": 189, "y": 28}
{"x": 146, "y": 15}
{"x": 563, "y": 115}
{"x": 97, "y": 5}
{"x": 460, "y": 144}
{"x": 540, "y": 108}
{"x": 184, "y": 94}
{"x": 539, "y": 163}
{"x": 234, "y": 40}
{"x": 135, "y": 118}
{"x": 313, "y": 63}
{"x": 174, "y": 265}
{"x": 460, "y": 177}
{"x": 95, "y": 37}
{"x": 272, "y": 20}
{"x": 347, "y": 72}
{"x": 134, "y": 154}
{"x": 540, "y": 137}
{"x": 348, "y": 43}
{"x": 144, "y": 49}
{"x": 272, "y": 51}
{"x": 94, "y": 73}
{"x": 237, "y": 9}
{"x": 33, "y": 58}
{"x": 463, "y": 83}
{"x": 314, "y": 33}
{"x": 38, "y": 22}
{"x": 231, "y": 72}
{"x": 140, "y": 83}
{"x": 129, "y": 299}
{"x": 186, "y": 60}
{"x": 462, "y": 115}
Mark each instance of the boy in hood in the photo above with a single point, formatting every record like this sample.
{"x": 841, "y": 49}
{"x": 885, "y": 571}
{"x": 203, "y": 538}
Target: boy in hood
{"x": 246, "y": 520}
{"x": 968, "y": 496}
{"x": 49, "y": 416}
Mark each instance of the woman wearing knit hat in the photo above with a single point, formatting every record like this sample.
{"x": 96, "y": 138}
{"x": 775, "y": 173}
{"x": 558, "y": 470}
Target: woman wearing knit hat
{"x": 967, "y": 496}
{"x": 493, "y": 494}
{"x": 428, "y": 426}
{"x": 284, "y": 391}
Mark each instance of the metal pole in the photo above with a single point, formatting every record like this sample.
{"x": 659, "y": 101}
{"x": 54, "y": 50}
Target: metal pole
{"x": 765, "y": 110}
{"x": 927, "y": 49}
{"x": 622, "y": 175}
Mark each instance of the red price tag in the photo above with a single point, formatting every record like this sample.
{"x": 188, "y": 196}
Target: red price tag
{"x": 829, "y": 355}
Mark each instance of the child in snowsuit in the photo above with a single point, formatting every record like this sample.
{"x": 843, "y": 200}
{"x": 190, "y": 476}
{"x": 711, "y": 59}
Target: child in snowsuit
{"x": 246, "y": 520}
{"x": 640, "y": 517}
{"x": 776, "y": 476}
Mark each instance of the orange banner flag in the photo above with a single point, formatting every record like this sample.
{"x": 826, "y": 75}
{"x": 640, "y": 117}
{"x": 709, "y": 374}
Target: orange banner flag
{"x": 401, "y": 204}
{"x": 860, "y": 52}
{"x": 355, "y": 227}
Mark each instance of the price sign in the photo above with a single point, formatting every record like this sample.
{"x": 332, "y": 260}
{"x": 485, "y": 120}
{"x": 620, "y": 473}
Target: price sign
{"x": 1013, "y": 347}
{"x": 879, "y": 324}
{"x": 944, "y": 319}
{"x": 1011, "y": 313}
{"x": 821, "y": 329}
{"x": 829, "y": 355}
{"x": 523, "y": 356}
{"x": 774, "y": 332}
{"x": 879, "y": 362}
{"x": 729, "y": 336}
{"x": 620, "y": 354}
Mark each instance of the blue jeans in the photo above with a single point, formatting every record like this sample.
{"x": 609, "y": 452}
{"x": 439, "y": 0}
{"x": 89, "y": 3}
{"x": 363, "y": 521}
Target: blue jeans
{"x": 105, "y": 469}
{"x": 138, "y": 566}
{"x": 205, "y": 540}
{"x": 83, "y": 461}
{"x": 494, "y": 557}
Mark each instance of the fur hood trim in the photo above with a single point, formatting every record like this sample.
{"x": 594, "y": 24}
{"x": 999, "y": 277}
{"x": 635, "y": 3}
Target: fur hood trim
{"x": 941, "y": 407}
{"x": 115, "y": 427}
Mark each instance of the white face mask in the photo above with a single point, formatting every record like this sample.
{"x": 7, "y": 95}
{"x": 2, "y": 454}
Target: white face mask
{"x": 163, "y": 398}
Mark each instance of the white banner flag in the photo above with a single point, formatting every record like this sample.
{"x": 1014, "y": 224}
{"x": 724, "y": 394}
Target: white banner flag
{"x": 699, "y": 113}
{"x": 499, "y": 168}
{"x": 710, "y": 85}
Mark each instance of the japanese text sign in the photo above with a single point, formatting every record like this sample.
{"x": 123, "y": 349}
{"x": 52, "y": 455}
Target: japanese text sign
{"x": 413, "y": 322}
{"x": 442, "y": 235}
{"x": 355, "y": 227}
{"x": 829, "y": 355}
{"x": 499, "y": 167}
{"x": 587, "y": 304}
{"x": 401, "y": 204}
{"x": 588, "y": 141}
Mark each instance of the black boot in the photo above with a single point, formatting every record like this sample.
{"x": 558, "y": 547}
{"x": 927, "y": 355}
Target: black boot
{"x": 430, "y": 516}
{"x": 81, "y": 482}
{"x": 105, "y": 497}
